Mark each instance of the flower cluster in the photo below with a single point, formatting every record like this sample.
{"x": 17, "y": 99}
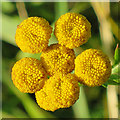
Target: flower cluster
{"x": 57, "y": 61}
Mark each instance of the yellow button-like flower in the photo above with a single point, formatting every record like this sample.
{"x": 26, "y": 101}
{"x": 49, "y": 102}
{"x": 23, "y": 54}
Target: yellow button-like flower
{"x": 72, "y": 30}
{"x": 28, "y": 75}
{"x": 92, "y": 67}
{"x": 33, "y": 35}
{"x": 59, "y": 91}
{"x": 57, "y": 58}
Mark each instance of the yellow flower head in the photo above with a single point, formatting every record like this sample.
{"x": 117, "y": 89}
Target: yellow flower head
{"x": 59, "y": 91}
{"x": 28, "y": 75}
{"x": 33, "y": 35}
{"x": 72, "y": 30}
{"x": 57, "y": 58}
{"x": 92, "y": 67}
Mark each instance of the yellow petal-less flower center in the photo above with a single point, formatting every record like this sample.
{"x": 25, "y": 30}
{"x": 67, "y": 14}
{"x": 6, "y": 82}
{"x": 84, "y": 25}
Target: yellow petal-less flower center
{"x": 57, "y": 58}
{"x": 92, "y": 67}
{"x": 28, "y": 75}
{"x": 33, "y": 35}
{"x": 59, "y": 91}
{"x": 72, "y": 30}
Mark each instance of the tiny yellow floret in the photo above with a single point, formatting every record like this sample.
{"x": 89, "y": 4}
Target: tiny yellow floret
{"x": 57, "y": 58}
{"x": 92, "y": 67}
{"x": 28, "y": 75}
{"x": 59, "y": 91}
{"x": 72, "y": 30}
{"x": 33, "y": 34}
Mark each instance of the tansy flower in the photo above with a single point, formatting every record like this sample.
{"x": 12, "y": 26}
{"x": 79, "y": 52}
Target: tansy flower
{"x": 92, "y": 67}
{"x": 72, "y": 30}
{"x": 57, "y": 58}
{"x": 59, "y": 91}
{"x": 28, "y": 75}
{"x": 33, "y": 35}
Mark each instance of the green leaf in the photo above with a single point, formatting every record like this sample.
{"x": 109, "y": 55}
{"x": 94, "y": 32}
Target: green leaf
{"x": 9, "y": 25}
{"x": 104, "y": 85}
{"x": 114, "y": 78}
{"x": 21, "y": 55}
{"x": 117, "y": 55}
{"x": 116, "y": 69}
{"x": 80, "y": 84}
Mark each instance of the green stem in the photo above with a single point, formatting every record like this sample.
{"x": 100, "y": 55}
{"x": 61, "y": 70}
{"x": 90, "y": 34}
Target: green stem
{"x": 79, "y": 7}
{"x": 60, "y": 9}
{"x": 80, "y": 108}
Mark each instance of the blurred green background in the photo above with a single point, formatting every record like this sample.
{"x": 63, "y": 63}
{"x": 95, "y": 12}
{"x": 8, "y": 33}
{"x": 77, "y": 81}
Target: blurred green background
{"x": 94, "y": 101}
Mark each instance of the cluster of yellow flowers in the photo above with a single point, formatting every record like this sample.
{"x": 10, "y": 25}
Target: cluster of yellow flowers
{"x": 61, "y": 89}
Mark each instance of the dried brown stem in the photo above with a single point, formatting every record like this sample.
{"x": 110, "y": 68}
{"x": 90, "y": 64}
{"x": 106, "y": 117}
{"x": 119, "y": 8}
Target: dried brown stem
{"x": 22, "y": 10}
{"x": 102, "y": 11}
